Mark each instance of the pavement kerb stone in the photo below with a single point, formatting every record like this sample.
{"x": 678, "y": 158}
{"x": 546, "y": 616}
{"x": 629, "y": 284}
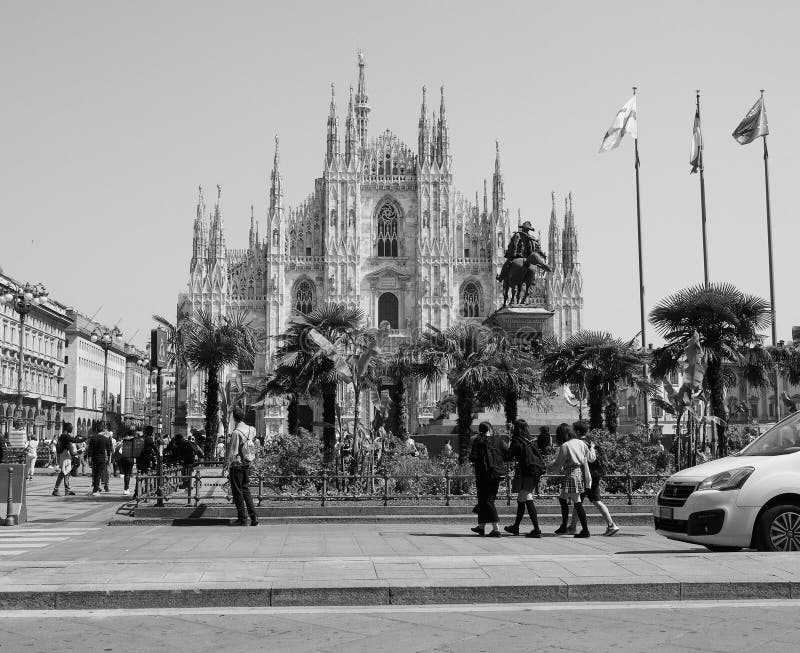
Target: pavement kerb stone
{"x": 393, "y": 594}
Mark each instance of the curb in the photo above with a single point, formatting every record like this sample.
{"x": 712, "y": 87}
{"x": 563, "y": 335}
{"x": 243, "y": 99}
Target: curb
{"x": 394, "y": 595}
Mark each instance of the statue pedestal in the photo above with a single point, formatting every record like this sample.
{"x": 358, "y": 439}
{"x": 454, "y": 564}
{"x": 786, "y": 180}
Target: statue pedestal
{"x": 523, "y": 323}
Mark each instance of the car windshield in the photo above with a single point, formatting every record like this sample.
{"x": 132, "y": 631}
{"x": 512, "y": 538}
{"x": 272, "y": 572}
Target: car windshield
{"x": 782, "y": 438}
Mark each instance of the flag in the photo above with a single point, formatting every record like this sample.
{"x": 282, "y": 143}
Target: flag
{"x": 624, "y": 123}
{"x": 753, "y": 125}
{"x": 696, "y": 156}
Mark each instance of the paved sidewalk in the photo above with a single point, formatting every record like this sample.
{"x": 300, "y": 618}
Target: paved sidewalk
{"x": 376, "y": 564}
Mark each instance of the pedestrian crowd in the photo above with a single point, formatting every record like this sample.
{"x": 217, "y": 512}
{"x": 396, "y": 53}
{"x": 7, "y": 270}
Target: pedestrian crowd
{"x": 577, "y": 460}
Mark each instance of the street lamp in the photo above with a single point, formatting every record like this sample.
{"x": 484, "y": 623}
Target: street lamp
{"x": 105, "y": 338}
{"x": 145, "y": 364}
{"x": 22, "y": 300}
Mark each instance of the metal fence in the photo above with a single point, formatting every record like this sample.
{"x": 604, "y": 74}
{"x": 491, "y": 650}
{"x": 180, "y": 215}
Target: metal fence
{"x": 195, "y": 487}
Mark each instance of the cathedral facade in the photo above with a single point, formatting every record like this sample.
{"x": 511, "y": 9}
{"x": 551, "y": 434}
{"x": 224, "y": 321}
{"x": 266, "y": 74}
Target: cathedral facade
{"x": 385, "y": 229}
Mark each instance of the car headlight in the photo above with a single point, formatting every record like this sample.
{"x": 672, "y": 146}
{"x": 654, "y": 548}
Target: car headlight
{"x": 733, "y": 479}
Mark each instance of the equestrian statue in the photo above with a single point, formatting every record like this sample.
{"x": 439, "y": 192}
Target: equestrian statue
{"x": 523, "y": 255}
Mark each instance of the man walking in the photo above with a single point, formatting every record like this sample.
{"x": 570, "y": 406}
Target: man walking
{"x": 241, "y": 453}
{"x": 597, "y": 469}
{"x": 99, "y": 453}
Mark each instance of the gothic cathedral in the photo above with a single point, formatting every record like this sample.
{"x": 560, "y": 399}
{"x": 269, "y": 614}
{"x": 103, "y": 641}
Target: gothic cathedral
{"x": 383, "y": 229}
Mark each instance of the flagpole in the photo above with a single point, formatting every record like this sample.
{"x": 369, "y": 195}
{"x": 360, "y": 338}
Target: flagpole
{"x": 703, "y": 202}
{"x": 641, "y": 263}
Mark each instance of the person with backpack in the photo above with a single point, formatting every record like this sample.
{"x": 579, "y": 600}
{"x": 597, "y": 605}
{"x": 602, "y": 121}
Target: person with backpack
{"x": 596, "y": 459}
{"x": 65, "y": 448}
{"x": 487, "y": 457}
{"x": 529, "y": 467}
{"x": 124, "y": 459}
{"x": 241, "y": 454}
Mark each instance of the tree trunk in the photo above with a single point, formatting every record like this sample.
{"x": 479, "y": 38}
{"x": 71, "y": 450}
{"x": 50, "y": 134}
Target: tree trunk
{"x": 400, "y": 399}
{"x": 595, "y": 403}
{"x": 612, "y": 410}
{"x": 291, "y": 414}
{"x": 329, "y": 417}
{"x": 356, "y": 440}
{"x": 212, "y": 409}
{"x": 511, "y": 407}
{"x": 464, "y": 409}
{"x": 718, "y": 408}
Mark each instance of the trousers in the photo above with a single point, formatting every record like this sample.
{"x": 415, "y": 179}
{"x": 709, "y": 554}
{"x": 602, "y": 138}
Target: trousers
{"x": 239, "y": 477}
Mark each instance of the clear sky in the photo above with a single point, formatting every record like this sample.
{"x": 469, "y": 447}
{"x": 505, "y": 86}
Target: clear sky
{"x": 112, "y": 113}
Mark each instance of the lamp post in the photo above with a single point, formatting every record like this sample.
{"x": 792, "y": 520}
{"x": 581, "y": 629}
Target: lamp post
{"x": 105, "y": 338}
{"x": 22, "y": 300}
{"x": 144, "y": 363}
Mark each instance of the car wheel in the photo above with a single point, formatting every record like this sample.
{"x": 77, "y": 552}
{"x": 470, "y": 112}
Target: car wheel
{"x": 716, "y": 548}
{"x": 779, "y": 528}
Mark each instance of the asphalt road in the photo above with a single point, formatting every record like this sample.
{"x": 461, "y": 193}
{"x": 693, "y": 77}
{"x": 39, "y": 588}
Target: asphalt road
{"x": 685, "y": 626}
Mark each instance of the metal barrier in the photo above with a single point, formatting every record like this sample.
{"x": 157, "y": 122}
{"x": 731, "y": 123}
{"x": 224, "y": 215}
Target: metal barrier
{"x": 384, "y": 488}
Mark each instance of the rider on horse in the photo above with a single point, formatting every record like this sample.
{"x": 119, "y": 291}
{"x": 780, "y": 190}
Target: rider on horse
{"x": 522, "y": 245}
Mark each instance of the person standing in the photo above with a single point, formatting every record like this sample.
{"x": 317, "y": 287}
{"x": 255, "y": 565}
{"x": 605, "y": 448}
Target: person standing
{"x": 529, "y": 468}
{"x": 241, "y": 453}
{"x": 108, "y": 433}
{"x": 596, "y": 458}
{"x": 124, "y": 460}
{"x": 99, "y": 453}
{"x": 571, "y": 461}
{"x": 31, "y": 453}
{"x": 487, "y": 457}
{"x": 65, "y": 449}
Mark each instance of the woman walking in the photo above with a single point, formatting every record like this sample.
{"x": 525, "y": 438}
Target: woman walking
{"x": 487, "y": 457}
{"x": 31, "y": 453}
{"x": 529, "y": 468}
{"x": 66, "y": 450}
{"x": 571, "y": 461}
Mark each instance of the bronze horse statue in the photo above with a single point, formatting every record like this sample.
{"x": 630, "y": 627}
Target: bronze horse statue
{"x": 522, "y": 271}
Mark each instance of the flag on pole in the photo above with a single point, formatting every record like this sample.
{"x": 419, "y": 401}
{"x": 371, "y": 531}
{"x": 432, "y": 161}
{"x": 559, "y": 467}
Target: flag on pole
{"x": 696, "y": 156}
{"x": 753, "y": 125}
{"x": 624, "y": 123}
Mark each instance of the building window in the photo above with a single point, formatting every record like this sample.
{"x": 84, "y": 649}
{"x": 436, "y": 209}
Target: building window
{"x": 304, "y": 298}
{"x": 85, "y": 397}
{"x": 466, "y": 252}
{"x": 387, "y": 231}
{"x": 470, "y": 300}
{"x": 389, "y": 310}
{"x": 65, "y": 391}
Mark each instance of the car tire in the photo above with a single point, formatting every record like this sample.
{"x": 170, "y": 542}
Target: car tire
{"x": 718, "y": 548}
{"x": 779, "y": 528}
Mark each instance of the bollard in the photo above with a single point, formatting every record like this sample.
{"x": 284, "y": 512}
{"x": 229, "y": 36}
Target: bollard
{"x": 447, "y": 486}
{"x": 11, "y": 519}
{"x": 324, "y": 487}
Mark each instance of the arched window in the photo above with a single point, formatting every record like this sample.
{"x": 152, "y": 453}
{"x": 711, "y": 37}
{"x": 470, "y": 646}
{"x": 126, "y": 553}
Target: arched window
{"x": 304, "y": 298}
{"x": 387, "y": 231}
{"x": 389, "y": 310}
{"x": 470, "y": 300}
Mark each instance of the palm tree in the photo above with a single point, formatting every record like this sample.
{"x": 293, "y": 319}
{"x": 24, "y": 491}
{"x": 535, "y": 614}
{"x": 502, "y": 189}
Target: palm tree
{"x": 600, "y": 363}
{"x": 212, "y": 343}
{"x": 726, "y": 321}
{"x": 305, "y": 366}
{"x": 459, "y": 354}
{"x": 400, "y": 368}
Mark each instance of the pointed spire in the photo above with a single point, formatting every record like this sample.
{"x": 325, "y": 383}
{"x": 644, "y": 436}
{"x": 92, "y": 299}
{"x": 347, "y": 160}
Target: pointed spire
{"x": 432, "y": 153}
{"x": 200, "y": 236}
{"x": 217, "y": 250}
{"x": 553, "y": 236}
{"x": 253, "y": 239}
{"x": 443, "y": 140}
{"x": 423, "y": 144}
{"x": 275, "y": 214}
{"x": 332, "y": 148}
{"x": 498, "y": 193}
{"x": 362, "y": 108}
{"x": 570, "y": 237}
{"x": 350, "y": 131}
{"x": 485, "y": 200}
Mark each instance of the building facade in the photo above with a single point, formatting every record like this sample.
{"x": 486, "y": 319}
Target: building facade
{"x": 135, "y": 406}
{"x": 84, "y": 376}
{"x": 385, "y": 229}
{"x": 43, "y": 364}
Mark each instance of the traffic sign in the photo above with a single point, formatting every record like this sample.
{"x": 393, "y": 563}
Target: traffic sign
{"x": 158, "y": 348}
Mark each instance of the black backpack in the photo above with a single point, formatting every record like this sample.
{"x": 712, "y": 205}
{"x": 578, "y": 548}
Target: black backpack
{"x": 530, "y": 459}
{"x": 495, "y": 465}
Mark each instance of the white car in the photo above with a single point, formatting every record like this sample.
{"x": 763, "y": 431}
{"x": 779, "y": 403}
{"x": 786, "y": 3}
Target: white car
{"x": 751, "y": 499}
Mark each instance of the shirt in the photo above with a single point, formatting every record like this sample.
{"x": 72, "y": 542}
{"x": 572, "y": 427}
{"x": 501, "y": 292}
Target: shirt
{"x": 241, "y": 433}
{"x": 572, "y": 452}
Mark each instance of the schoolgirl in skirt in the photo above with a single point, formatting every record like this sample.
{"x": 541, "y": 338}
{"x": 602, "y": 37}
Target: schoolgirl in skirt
{"x": 572, "y": 463}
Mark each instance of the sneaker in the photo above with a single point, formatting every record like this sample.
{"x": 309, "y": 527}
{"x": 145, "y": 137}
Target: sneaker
{"x": 561, "y": 530}
{"x": 536, "y": 533}
{"x": 239, "y": 522}
{"x": 493, "y": 534}
{"x": 582, "y": 534}
{"x": 254, "y": 521}
{"x": 477, "y": 530}
{"x": 95, "y": 494}
{"x": 55, "y": 493}
{"x": 571, "y": 530}
{"x": 126, "y": 493}
{"x": 611, "y": 531}
{"x": 69, "y": 493}
{"x": 514, "y": 530}
{"x": 105, "y": 489}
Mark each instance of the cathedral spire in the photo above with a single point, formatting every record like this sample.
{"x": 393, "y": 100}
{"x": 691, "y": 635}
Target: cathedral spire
{"x": 553, "y": 236}
{"x": 498, "y": 194}
{"x": 200, "y": 237}
{"x": 350, "y": 142}
{"x": 434, "y": 138}
{"x": 217, "y": 250}
{"x": 570, "y": 237}
{"x": 443, "y": 142}
{"x": 485, "y": 200}
{"x": 276, "y": 184}
{"x": 362, "y": 108}
{"x": 332, "y": 150}
{"x": 423, "y": 142}
{"x": 253, "y": 240}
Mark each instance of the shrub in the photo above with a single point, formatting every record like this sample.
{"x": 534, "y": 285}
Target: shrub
{"x": 629, "y": 454}
{"x": 286, "y": 454}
